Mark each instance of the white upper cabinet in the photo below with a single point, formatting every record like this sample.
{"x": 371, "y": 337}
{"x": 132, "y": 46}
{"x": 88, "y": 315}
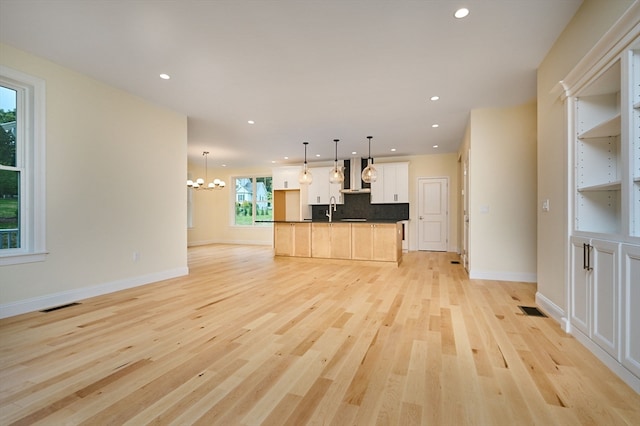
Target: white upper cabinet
{"x": 321, "y": 190}
{"x": 392, "y": 184}
{"x": 286, "y": 177}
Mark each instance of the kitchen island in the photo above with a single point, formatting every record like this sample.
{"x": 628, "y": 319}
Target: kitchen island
{"x": 370, "y": 240}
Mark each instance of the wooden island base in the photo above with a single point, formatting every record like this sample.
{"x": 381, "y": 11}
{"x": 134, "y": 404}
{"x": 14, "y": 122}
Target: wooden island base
{"x": 345, "y": 241}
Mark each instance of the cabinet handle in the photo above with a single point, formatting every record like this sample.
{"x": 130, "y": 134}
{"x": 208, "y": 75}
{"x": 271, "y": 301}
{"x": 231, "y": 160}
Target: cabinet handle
{"x": 586, "y": 256}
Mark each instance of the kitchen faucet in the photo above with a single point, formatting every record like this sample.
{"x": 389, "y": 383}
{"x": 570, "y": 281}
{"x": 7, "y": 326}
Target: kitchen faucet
{"x": 332, "y": 202}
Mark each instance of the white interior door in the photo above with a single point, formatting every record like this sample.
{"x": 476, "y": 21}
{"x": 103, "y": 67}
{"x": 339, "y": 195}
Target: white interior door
{"x": 433, "y": 212}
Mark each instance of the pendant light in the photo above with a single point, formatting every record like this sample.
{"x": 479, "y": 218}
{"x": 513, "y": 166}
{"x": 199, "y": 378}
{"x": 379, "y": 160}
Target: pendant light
{"x": 369, "y": 174}
{"x": 199, "y": 183}
{"x": 336, "y": 175}
{"x": 305, "y": 177}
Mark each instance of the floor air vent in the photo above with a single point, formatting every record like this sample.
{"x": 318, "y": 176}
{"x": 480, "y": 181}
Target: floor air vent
{"x": 532, "y": 311}
{"x": 56, "y": 308}
{"x": 455, "y": 262}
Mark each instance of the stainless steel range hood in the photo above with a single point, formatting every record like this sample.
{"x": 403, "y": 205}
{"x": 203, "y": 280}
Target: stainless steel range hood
{"x": 355, "y": 178}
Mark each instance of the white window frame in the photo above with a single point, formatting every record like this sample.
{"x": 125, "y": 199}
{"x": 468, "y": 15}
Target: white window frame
{"x": 254, "y": 202}
{"x": 31, "y": 158}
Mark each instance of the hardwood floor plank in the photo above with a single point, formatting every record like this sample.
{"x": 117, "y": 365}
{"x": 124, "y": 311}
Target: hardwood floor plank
{"x": 250, "y": 339}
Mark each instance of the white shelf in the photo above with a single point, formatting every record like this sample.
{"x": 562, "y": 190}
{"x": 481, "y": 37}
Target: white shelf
{"x": 636, "y": 105}
{"x": 609, "y": 127}
{"x": 636, "y": 179}
{"x": 610, "y": 186}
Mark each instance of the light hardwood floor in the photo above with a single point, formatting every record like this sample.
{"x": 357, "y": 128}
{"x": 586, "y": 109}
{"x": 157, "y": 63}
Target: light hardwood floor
{"x": 249, "y": 339}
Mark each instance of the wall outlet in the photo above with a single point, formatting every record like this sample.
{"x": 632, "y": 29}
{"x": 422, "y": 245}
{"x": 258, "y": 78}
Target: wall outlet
{"x": 136, "y": 256}
{"x": 545, "y": 205}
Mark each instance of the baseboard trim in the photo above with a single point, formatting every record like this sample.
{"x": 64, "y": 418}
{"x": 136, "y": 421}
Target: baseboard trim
{"x": 560, "y": 316}
{"x": 608, "y": 360}
{"x": 234, "y": 242}
{"x": 525, "y": 277}
{"x": 553, "y": 310}
{"x": 56, "y": 299}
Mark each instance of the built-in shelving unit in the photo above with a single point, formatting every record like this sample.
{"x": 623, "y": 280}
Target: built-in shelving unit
{"x": 610, "y": 127}
{"x": 634, "y": 73}
{"x": 603, "y": 109}
{"x": 598, "y": 179}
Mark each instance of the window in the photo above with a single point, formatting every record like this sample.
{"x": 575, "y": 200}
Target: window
{"x": 253, "y": 200}
{"x": 22, "y": 168}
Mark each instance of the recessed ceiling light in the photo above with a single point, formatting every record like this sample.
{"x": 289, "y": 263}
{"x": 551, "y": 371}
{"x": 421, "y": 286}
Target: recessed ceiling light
{"x": 435, "y": 98}
{"x": 435, "y": 125}
{"x": 273, "y": 161}
{"x": 224, "y": 165}
{"x": 165, "y": 76}
{"x": 317, "y": 155}
{"x": 435, "y": 146}
{"x": 393, "y": 150}
{"x": 251, "y": 122}
{"x": 461, "y": 13}
{"x": 353, "y": 153}
{"x": 286, "y": 158}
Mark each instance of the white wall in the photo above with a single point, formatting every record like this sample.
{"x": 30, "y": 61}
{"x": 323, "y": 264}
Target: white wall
{"x": 588, "y": 25}
{"x": 502, "y": 193}
{"x": 115, "y": 173}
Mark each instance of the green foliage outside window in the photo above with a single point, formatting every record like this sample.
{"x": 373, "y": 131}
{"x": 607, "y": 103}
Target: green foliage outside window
{"x": 9, "y": 179}
{"x": 250, "y": 191}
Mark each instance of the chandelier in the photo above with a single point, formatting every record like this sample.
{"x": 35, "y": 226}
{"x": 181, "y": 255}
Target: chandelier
{"x": 200, "y": 183}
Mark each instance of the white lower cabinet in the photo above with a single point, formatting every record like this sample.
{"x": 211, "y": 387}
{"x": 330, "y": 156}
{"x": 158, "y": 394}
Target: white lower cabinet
{"x": 595, "y": 295}
{"x": 631, "y": 308}
{"x": 580, "y": 286}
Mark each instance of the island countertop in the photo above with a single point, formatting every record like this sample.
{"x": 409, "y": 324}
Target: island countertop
{"x": 334, "y": 221}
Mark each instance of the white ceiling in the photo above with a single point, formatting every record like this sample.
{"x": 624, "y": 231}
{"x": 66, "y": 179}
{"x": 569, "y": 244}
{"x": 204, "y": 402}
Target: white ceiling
{"x": 303, "y": 70}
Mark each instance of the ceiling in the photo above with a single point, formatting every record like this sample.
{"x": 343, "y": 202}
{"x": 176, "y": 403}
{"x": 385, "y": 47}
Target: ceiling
{"x": 302, "y": 70}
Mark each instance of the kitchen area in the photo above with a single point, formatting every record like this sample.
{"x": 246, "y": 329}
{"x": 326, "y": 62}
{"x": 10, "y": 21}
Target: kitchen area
{"x": 352, "y": 220}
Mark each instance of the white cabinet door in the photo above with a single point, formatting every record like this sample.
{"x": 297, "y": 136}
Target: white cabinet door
{"x": 285, "y": 178}
{"x": 400, "y": 193}
{"x": 392, "y": 185}
{"x": 580, "y": 285}
{"x": 320, "y": 190}
{"x": 630, "y": 272}
{"x": 595, "y": 291}
{"x": 377, "y": 187}
{"x": 606, "y": 295}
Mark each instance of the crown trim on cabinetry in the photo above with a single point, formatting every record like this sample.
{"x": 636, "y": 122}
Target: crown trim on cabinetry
{"x": 611, "y": 45}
